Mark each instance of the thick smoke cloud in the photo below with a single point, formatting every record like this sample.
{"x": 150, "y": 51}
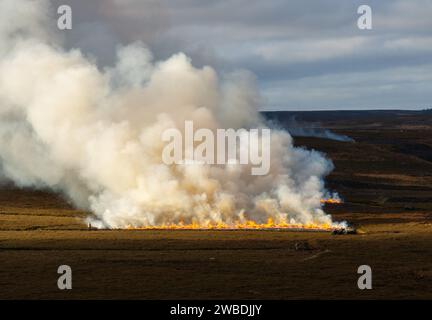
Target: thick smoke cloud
{"x": 95, "y": 134}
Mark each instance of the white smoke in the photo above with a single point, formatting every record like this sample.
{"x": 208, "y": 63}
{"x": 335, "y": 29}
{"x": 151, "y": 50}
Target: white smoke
{"x": 299, "y": 131}
{"x": 95, "y": 135}
{"x": 304, "y": 129}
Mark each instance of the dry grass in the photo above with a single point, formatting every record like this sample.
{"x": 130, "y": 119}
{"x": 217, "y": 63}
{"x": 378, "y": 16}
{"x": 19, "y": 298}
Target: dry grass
{"x": 388, "y": 195}
{"x": 210, "y": 264}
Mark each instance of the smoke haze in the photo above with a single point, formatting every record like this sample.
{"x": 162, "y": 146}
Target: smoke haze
{"x": 299, "y": 129}
{"x": 94, "y": 134}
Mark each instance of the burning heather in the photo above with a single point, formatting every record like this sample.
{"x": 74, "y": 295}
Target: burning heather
{"x": 95, "y": 136}
{"x": 245, "y": 225}
{"x": 335, "y": 199}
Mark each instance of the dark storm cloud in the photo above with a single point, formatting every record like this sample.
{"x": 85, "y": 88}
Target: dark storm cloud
{"x": 285, "y": 43}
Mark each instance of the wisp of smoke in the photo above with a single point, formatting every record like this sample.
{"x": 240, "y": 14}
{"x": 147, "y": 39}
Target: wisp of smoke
{"x": 299, "y": 131}
{"x": 94, "y": 135}
{"x": 302, "y": 129}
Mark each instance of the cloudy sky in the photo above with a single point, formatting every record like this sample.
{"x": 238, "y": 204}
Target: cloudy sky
{"x": 306, "y": 55}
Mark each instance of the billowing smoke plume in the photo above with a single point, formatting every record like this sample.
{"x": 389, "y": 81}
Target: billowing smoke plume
{"x": 95, "y": 135}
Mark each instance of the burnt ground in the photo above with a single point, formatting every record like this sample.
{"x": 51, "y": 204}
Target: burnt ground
{"x": 384, "y": 177}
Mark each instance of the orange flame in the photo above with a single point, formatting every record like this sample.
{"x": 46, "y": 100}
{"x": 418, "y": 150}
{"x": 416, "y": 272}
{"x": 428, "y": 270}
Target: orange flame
{"x": 245, "y": 225}
{"x": 331, "y": 201}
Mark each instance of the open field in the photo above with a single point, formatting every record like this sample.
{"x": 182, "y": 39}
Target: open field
{"x": 384, "y": 177}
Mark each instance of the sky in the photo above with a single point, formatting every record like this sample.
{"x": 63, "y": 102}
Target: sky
{"x": 305, "y": 55}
